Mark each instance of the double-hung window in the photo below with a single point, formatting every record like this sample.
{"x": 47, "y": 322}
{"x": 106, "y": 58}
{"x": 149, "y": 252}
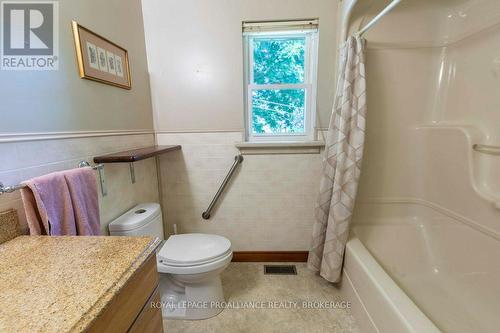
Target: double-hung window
{"x": 280, "y": 80}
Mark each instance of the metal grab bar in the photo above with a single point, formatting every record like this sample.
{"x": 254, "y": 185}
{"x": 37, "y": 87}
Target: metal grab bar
{"x": 237, "y": 160}
{"x": 486, "y": 149}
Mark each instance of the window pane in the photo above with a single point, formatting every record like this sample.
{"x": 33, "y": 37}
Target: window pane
{"x": 276, "y": 111}
{"x": 278, "y": 60}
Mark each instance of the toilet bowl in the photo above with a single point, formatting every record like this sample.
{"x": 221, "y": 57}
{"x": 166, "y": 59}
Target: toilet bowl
{"x": 190, "y": 265}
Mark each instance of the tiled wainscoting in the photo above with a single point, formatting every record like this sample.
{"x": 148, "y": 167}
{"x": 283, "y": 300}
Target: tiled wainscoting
{"x": 269, "y": 204}
{"x": 26, "y": 159}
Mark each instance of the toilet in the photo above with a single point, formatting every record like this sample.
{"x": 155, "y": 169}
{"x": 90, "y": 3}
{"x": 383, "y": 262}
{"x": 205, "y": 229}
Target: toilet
{"x": 190, "y": 265}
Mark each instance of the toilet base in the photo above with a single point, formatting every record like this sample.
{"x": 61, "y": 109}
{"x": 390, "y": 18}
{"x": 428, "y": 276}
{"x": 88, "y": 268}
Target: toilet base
{"x": 192, "y": 301}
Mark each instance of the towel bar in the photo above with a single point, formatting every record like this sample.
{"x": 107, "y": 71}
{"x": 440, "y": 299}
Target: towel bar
{"x": 99, "y": 167}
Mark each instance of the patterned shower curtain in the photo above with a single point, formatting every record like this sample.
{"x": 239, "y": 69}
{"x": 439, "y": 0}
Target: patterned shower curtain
{"x": 341, "y": 164}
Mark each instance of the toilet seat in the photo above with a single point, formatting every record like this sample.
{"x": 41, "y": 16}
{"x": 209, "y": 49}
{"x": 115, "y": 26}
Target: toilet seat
{"x": 193, "y": 263}
{"x": 193, "y": 253}
{"x": 213, "y": 265}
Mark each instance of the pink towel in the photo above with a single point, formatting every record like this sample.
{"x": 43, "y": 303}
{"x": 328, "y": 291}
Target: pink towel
{"x": 48, "y": 206}
{"x": 62, "y": 203}
{"x": 83, "y": 191}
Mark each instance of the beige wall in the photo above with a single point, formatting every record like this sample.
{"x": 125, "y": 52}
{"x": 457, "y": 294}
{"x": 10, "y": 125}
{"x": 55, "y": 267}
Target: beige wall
{"x": 195, "y": 58}
{"x": 56, "y": 101}
{"x": 59, "y": 101}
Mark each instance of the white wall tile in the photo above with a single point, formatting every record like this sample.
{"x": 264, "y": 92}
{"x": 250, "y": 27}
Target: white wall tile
{"x": 25, "y": 160}
{"x": 269, "y": 204}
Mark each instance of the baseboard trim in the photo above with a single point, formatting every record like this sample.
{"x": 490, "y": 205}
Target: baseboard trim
{"x": 270, "y": 256}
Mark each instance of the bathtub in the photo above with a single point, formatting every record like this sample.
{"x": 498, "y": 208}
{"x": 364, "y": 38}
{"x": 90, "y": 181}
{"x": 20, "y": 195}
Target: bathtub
{"x": 422, "y": 276}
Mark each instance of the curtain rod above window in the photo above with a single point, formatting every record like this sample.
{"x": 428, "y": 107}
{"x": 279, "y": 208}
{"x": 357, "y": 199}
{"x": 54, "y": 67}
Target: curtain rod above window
{"x": 310, "y": 24}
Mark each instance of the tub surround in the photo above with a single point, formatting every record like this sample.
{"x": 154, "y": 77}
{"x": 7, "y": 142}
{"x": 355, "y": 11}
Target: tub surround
{"x": 433, "y": 96}
{"x": 67, "y": 284}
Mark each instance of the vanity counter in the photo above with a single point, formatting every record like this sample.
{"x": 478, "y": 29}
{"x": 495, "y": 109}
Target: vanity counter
{"x": 70, "y": 283}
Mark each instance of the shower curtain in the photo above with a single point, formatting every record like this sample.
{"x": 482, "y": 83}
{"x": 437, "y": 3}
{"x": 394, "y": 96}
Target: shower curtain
{"x": 341, "y": 164}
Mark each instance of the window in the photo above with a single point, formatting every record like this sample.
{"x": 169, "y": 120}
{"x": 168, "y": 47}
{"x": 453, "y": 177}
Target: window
{"x": 280, "y": 79}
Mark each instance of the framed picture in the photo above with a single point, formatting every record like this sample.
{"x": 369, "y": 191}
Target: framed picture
{"x": 101, "y": 60}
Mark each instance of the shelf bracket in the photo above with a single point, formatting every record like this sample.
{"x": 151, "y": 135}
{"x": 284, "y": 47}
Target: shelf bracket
{"x": 100, "y": 169}
{"x": 132, "y": 172}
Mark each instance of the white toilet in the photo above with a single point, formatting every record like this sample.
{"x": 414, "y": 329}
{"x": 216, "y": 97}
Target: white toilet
{"x": 189, "y": 264}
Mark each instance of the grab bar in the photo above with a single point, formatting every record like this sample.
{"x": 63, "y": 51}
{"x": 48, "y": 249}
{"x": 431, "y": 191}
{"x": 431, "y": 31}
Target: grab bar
{"x": 485, "y": 149}
{"x": 237, "y": 160}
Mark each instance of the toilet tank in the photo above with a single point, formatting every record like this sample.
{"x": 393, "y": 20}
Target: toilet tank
{"x": 142, "y": 220}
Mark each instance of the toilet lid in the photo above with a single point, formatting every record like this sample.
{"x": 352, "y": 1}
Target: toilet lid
{"x": 193, "y": 249}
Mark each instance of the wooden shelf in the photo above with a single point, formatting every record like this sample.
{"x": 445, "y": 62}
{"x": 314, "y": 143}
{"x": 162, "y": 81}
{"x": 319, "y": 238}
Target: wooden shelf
{"x": 135, "y": 155}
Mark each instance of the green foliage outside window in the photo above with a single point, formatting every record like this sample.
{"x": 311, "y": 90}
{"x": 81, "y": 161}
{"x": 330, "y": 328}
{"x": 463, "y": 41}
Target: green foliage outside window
{"x": 278, "y": 61}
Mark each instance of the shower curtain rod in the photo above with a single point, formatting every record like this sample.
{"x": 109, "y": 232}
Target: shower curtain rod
{"x": 370, "y": 24}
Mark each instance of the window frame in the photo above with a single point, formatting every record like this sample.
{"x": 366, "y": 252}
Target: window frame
{"x": 309, "y": 85}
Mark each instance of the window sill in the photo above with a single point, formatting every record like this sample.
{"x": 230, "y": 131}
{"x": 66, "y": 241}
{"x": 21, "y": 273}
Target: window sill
{"x": 265, "y": 148}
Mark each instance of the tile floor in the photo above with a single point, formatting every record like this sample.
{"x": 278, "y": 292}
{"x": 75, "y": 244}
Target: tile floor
{"x": 246, "y": 282}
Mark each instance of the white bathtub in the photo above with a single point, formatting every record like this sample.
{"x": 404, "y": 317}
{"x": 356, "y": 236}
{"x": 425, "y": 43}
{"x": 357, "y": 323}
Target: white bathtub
{"x": 409, "y": 275}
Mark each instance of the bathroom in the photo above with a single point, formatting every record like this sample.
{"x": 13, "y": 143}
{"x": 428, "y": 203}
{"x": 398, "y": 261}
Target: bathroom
{"x": 183, "y": 185}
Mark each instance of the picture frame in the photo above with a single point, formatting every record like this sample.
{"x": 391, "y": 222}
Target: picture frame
{"x": 101, "y": 60}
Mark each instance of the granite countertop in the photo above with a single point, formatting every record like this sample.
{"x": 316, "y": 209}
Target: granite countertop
{"x": 61, "y": 284}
